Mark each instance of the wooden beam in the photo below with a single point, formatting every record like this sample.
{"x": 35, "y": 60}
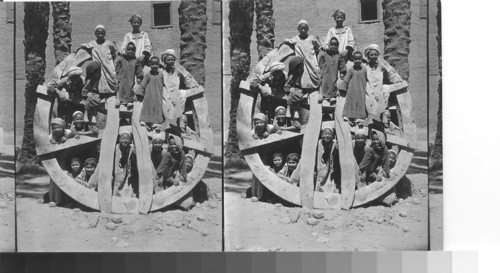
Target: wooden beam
{"x": 308, "y": 157}
{"x": 347, "y": 161}
{"x": 68, "y": 145}
{"x": 399, "y": 86}
{"x": 144, "y": 163}
{"x": 107, "y": 156}
{"x": 195, "y": 145}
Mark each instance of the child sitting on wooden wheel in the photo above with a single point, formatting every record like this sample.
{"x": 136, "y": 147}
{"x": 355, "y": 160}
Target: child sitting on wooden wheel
{"x": 89, "y": 170}
{"x": 125, "y": 169}
{"x": 150, "y": 92}
{"x": 157, "y": 151}
{"x": 261, "y": 129}
{"x": 128, "y": 69}
{"x": 59, "y": 133}
{"x": 291, "y": 171}
{"x": 186, "y": 131}
{"x": 80, "y": 127}
{"x": 172, "y": 168}
{"x": 326, "y": 161}
{"x": 360, "y": 147}
{"x": 331, "y": 65}
{"x": 271, "y": 86}
{"x": 377, "y": 156}
{"x": 283, "y": 123}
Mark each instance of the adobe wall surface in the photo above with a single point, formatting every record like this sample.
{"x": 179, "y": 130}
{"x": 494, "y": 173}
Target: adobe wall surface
{"x": 6, "y": 72}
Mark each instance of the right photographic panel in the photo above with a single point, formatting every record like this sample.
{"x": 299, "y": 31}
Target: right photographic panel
{"x": 326, "y": 119}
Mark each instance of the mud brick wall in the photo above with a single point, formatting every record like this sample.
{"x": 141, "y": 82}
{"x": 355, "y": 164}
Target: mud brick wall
{"x": 433, "y": 70}
{"x": 318, "y": 14}
{"x": 6, "y": 70}
{"x": 114, "y": 16}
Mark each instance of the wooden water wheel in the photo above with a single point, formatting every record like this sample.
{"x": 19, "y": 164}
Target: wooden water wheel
{"x": 305, "y": 195}
{"x": 103, "y": 199}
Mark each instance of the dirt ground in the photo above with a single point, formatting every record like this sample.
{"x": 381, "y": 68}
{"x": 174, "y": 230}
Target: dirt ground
{"x": 7, "y": 204}
{"x": 62, "y": 229}
{"x": 259, "y": 226}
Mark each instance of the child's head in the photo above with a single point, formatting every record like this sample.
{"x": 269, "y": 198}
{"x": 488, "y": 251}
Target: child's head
{"x": 277, "y": 160}
{"x": 378, "y": 141}
{"x": 189, "y": 162}
{"x": 372, "y": 52}
{"x": 359, "y": 138}
{"x": 334, "y": 45}
{"x": 168, "y": 58}
{"x": 90, "y": 165}
{"x": 154, "y": 62}
{"x": 303, "y": 28}
{"x": 259, "y": 122}
{"x": 173, "y": 148}
{"x": 292, "y": 160}
{"x": 76, "y": 165}
{"x": 327, "y": 135}
{"x": 277, "y": 79}
{"x": 357, "y": 58}
{"x": 339, "y": 16}
{"x": 78, "y": 119}
{"x": 280, "y": 114}
{"x": 157, "y": 142}
{"x": 392, "y": 158}
{"x": 125, "y": 139}
{"x": 58, "y": 125}
{"x": 184, "y": 119}
{"x": 136, "y": 22}
{"x": 100, "y": 33}
{"x": 131, "y": 49}
{"x": 388, "y": 116}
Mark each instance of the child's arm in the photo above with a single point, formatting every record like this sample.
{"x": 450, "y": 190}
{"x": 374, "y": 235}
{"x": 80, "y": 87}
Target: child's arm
{"x": 112, "y": 49}
{"x": 142, "y": 87}
{"x": 351, "y": 43}
{"x": 342, "y": 67}
{"x": 182, "y": 171}
{"x": 147, "y": 45}
{"x": 344, "y": 83}
{"x": 124, "y": 44}
{"x": 54, "y": 88}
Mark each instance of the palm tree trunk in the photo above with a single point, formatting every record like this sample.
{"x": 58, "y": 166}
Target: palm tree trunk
{"x": 264, "y": 27}
{"x": 36, "y": 25}
{"x": 193, "y": 26}
{"x": 397, "y": 22}
{"x": 437, "y": 150}
{"x": 240, "y": 33}
{"x": 62, "y": 30}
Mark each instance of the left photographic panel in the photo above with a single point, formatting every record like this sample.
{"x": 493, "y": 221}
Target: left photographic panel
{"x": 118, "y": 123}
{"x": 7, "y": 163}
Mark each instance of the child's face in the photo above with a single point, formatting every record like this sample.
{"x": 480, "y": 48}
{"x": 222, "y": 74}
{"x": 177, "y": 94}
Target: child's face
{"x": 157, "y": 144}
{"x": 278, "y": 161}
{"x": 131, "y": 50}
{"x": 184, "y": 119}
{"x": 357, "y": 59}
{"x": 292, "y": 165}
{"x": 89, "y": 169}
{"x": 75, "y": 167}
{"x": 100, "y": 34}
{"x": 303, "y": 29}
{"x": 172, "y": 147}
{"x": 359, "y": 140}
{"x": 169, "y": 61}
{"x": 281, "y": 115}
{"x": 327, "y": 136}
{"x": 125, "y": 140}
{"x": 78, "y": 121}
{"x": 334, "y": 45}
{"x": 388, "y": 116}
{"x": 136, "y": 23}
{"x": 260, "y": 125}
{"x": 154, "y": 64}
{"x": 57, "y": 130}
{"x": 392, "y": 160}
{"x": 373, "y": 56}
{"x": 189, "y": 164}
{"x": 339, "y": 19}
{"x": 376, "y": 144}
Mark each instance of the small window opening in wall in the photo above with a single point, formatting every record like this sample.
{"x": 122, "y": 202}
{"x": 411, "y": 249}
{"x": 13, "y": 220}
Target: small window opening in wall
{"x": 161, "y": 15}
{"x": 368, "y": 10}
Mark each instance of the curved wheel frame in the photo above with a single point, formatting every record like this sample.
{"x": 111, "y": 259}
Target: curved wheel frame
{"x": 305, "y": 195}
{"x": 47, "y": 153}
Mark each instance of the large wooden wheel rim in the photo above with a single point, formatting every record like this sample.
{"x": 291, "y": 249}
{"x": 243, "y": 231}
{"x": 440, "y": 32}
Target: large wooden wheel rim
{"x": 104, "y": 201}
{"x": 305, "y": 195}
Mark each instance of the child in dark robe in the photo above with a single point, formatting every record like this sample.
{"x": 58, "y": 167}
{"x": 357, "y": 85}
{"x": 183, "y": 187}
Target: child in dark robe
{"x": 151, "y": 89}
{"x": 172, "y": 169}
{"x": 261, "y": 129}
{"x": 359, "y": 145}
{"x": 376, "y": 156}
{"x": 91, "y": 92}
{"x": 157, "y": 151}
{"x": 278, "y": 162}
{"x": 59, "y": 133}
{"x": 89, "y": 170}
{"x": 68, "y": 90}
{"x": 81, "y": 128}
{"x": 125, "y": 169}
{"x": 325, "y": 162}
{"x": 331, "y": 64}
{"x": 128, "y": 69}
{"x": 355, "y": 83}
{"x": 283, "y": 123}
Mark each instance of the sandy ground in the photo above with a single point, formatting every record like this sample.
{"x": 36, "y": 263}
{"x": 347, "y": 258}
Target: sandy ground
{"x": 44, "y": 228}
{"x": 7, "y": 204}
{"x": 259, "y": 226}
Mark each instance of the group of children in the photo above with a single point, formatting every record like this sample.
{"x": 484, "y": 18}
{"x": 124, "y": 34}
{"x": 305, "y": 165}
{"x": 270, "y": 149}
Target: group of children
{"x": 130, "y": 73}
{"x": 339, "y": 72}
